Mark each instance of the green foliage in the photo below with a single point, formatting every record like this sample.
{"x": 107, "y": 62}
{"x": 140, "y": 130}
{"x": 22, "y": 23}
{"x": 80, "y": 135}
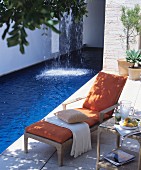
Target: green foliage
{"x": 133, "y": 56}
{"x": 18, "y": 16}
{"x": 131, "y": 20}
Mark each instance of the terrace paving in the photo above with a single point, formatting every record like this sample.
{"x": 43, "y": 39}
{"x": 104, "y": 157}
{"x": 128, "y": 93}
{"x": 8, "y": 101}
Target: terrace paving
{"x": 44, "y": 157}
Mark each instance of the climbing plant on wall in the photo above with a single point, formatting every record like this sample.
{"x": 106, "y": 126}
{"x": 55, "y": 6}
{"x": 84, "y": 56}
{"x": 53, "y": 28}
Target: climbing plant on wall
{"x": 18, "y": 16}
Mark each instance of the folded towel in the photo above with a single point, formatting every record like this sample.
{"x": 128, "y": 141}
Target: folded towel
{"x": 81, "y": 135}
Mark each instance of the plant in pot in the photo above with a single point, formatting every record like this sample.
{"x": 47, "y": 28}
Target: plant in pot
{"x": 134, "y": 57}
{"x": 131, "y": 20}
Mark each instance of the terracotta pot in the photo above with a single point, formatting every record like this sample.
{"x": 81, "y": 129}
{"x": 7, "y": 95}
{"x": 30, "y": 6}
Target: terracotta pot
{"x": 123, "y": 66}
{"x": 134, "y": 73}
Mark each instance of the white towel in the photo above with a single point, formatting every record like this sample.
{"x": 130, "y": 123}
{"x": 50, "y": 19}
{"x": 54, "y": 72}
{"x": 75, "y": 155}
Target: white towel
{"x": 81, "y": 135}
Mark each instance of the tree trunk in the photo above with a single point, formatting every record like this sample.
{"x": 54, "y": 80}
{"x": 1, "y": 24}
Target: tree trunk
{"x": 127, "y": 40}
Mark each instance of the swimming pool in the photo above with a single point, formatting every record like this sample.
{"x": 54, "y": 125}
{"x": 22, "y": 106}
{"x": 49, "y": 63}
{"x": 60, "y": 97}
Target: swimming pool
{"x": 28, "y": 95}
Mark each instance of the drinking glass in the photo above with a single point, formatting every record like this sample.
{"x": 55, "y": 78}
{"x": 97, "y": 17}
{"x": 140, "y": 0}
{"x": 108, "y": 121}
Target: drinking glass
{"x": 117, "y": 117}
{"x": 125, "y": 109}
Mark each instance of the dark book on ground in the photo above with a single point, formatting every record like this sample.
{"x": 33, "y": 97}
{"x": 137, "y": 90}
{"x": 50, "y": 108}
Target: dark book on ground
{"x": 119, "y": 157}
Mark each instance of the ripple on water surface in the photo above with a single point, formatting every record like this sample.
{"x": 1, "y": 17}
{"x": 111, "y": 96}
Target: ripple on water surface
{"x": 30, "y": 95}
{"x": 62, "y": 72}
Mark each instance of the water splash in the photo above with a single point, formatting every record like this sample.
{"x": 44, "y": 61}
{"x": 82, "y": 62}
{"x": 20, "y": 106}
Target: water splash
{"x": 62, "y": 72}
{"x": 68, "y": 22}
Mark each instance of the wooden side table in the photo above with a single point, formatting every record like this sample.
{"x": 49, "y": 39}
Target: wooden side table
{"x": 108, "y": 126}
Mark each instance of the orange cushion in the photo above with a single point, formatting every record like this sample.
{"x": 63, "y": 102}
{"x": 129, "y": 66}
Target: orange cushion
{"x": 49, "y": 131}
{"x": 105, "y": 92}
{"x": 93, "y": 116}
{"x": 57, "y": 133}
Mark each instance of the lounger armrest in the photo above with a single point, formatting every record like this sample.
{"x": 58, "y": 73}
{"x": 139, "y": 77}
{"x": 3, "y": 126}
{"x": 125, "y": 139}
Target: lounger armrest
{"x": 72, "y": 101}
{"x": 103, "y": 112}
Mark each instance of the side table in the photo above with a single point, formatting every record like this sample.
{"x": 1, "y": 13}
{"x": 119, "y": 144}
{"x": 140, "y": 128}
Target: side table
{"x": 108, "y": 126}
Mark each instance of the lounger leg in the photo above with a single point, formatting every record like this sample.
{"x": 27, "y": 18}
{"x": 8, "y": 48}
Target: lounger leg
{"x": 60, "y": 153}
{"x": 98, "y": 148}
{"x": 118, "y": 141}
{"x": 25, "y": 143}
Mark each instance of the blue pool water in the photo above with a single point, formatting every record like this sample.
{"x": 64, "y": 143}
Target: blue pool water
{"x": 28, "y": 95}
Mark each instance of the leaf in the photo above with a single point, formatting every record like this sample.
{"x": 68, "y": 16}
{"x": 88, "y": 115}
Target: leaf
{"x": 31, "y": 27}
{"x": 133, "y": 56}
{"x": 53, "y": 22}
{"x": 53, "y": 28}
{"x": 12, "y": 43}
{"x": 5, "y": 31}
{"x": 25, "y": 42}
{"x": 22, "y": 49}
{"x": 14, "y": 31}
{"x": 13, "y": 40}
{"x": 23, "y": 32}
{"x": 14, "y": 37}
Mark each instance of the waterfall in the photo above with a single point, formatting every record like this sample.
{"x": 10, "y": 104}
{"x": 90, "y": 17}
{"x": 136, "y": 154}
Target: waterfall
{"x": 68, "y": 22}
{"x": 69, "y": 40}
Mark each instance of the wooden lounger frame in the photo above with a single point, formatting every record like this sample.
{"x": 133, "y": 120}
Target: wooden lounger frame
{"x": 61, "y": 146}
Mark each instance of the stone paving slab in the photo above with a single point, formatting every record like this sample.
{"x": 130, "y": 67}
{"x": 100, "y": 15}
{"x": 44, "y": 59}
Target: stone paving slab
{"x": 131, "y": 91}
{"x": 85, "y": 161}
{"x": 37, "y": 151}
{"x": 12, "y": 163}
{"x": 138, "y": 100}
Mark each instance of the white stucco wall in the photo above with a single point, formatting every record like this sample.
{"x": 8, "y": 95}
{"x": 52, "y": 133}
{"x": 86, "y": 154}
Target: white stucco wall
{"x": 114, "y": 47}
{"x": 41, "y": 47}
{"x": 93, "y": 25}
{"x": 38, "y": 50}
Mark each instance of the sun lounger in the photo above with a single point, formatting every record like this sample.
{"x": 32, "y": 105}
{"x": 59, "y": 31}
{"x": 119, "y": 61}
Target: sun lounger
{"x": 98, "y": 106}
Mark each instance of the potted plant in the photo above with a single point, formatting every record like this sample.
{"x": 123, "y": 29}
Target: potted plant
{"x": 131, "y": 20}
{"x": 134, "y": 57}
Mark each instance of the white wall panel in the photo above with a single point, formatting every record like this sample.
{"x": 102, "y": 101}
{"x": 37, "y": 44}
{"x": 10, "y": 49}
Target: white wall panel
{"x": 93, "y": 25}
{"x": 38, "y": 50}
